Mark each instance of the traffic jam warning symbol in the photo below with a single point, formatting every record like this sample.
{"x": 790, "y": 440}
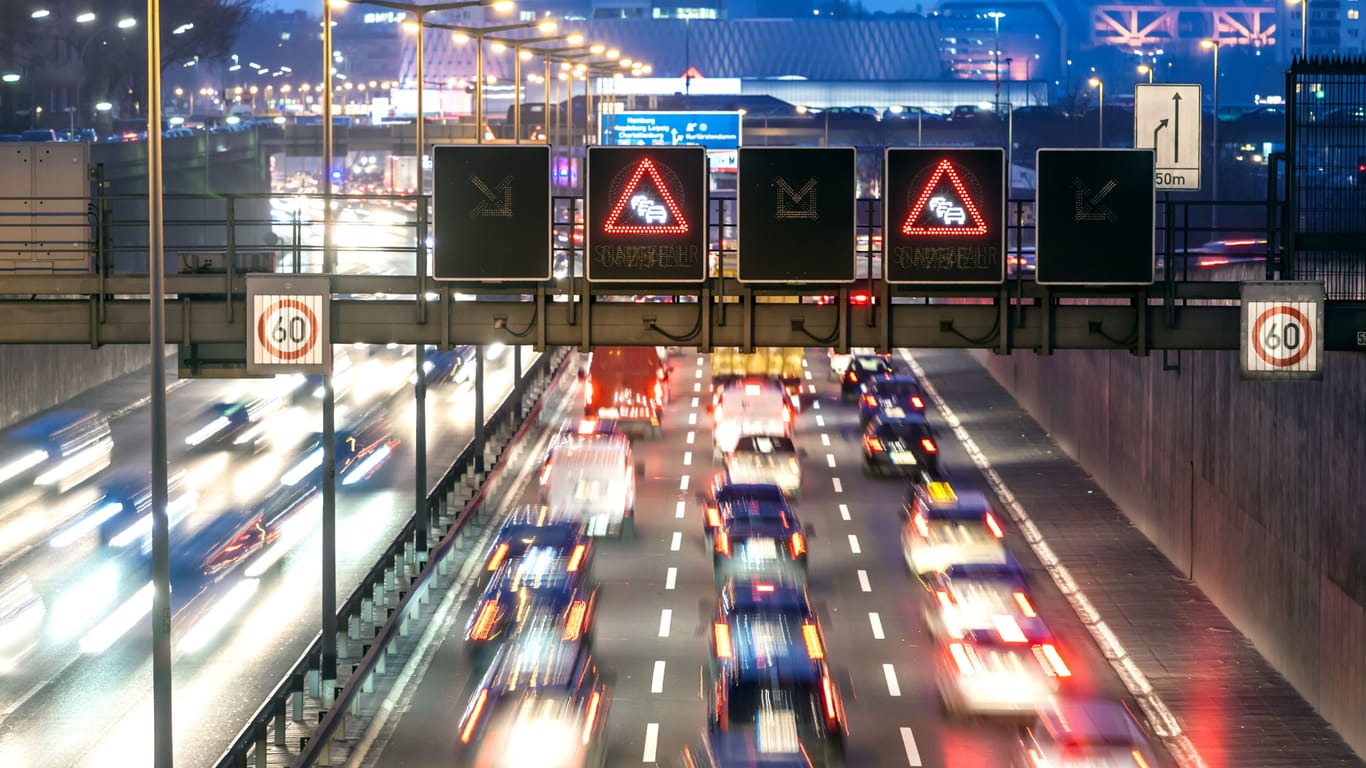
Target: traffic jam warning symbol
{"x": 288, "y": 329}
{"x": 1282, "y": 330}
{"x": 646, "y": 214}
{"x": 950, "y": 228}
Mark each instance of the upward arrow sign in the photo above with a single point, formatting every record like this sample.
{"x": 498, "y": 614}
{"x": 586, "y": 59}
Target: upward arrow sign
{"x": 1176, "y": 143}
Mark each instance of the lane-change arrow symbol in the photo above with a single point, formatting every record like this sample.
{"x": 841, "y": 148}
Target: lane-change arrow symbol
{"x": 796, "y": 203}
{"x": 1088, "y": 204}
{"x": 497, "y": 201}
{"x": 1176, "y": 110}
{"x": 1160, "y": 125}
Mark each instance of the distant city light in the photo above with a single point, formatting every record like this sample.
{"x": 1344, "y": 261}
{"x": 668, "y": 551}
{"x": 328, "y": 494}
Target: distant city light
{"x": 10, "y": 77}
{"x": 41, "y": 13}
{"x": 85, "y": 18}
{"x": 127, "y": 23}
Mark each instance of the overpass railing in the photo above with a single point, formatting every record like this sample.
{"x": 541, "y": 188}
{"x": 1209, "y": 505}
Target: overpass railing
{"x": 401, "y": 574}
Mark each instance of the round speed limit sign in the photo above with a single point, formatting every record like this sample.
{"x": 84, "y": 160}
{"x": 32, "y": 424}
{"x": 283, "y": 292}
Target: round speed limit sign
{"x": 1282, "y": 336}
{"x": 287, "y": 329}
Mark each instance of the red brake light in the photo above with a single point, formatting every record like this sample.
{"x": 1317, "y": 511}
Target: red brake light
{"x": 722, "y": 634}
{"x": 576, "y": 558}
{"x": 813, "y": 642}
{"x": 928, "y": 445}
{"x": 858, "y": 298}
{"x": 922, "y": 526}
{"x": 1026, "y": 608}
{"x": 798, "y": 545}
{"x": 870, "y": 401}
{"x": 483, "y": 625}
{"x": 498, "y": 555}
{"x": 917, "y": 402}
{"x": 588, "y": 390}
{"x": 474, "y": 716}
{"x": 1051, "y": 660}
{"x": 828, "y": 689}
{"x": 723, "y": 543}
{"x": 573, "y": 625}
{"x": 874, "y": 444}
{"x": 995, "y": 526}
{"x": 713, "y": 517}
{"x": 763, "y": 587}
{"x": 593, "y": 703}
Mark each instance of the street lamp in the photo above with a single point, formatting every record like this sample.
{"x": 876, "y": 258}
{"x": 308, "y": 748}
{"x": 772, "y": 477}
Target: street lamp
{"x": 1144, "y": 69}
{"x": 1100, "y": 109}
{"x": 1304, "y": 26}
{"x": 996, "y": 17}
{"x": 1214, "y": 175}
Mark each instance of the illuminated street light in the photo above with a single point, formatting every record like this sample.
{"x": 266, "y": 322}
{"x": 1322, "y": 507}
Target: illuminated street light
{"x": 996, "y": 17}
{"x": 1144, "y": 69}
{"x": 103, "y": 106}
{"x": 41, "y": 13}
{"x": 85, "y": 18}
{"x": 10, "y": 77}
{"x": 128, "y": 22}
{"x": 1304, "y": 26}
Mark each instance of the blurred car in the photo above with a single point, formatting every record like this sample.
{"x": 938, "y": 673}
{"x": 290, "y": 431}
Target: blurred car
{"x": 593, "y": 482}
{"x": 724, "y": 500}
{"x": 746, "y": 748}
{"x": 541, "y": 704}
{"x": 448, "y": 365}
{"x": 766, "y": 459}
{"x": 765, "y": 623}
{"x": 38, "y": 134}
{"x": 982, "y": 674}
{"x": 901, "y": 446}
{"x": 839, "y": 361}
{"x": 1085, "y": 733}
{"x": 751, "y": 406}
{"x": 360, "y": 452}
{"x": 983, "y": 598}
{"x": 861, "y": 368}
{"x": 762, "y": 547}
{"x": 21, "y": 620}
{"x": 891, "y": 395}
{"x": 57, "y": 450}
{"x": 237, "y": 425}
{"x": 945, "y": 527}
{"x": 122, "y": 512}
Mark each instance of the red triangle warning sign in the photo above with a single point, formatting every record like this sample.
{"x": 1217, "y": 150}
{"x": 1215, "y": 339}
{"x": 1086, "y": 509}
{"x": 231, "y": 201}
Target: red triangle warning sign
{"x": 692, "y": 73}
{"x": 942, "y": 210}
{"x": 644, "y": 211}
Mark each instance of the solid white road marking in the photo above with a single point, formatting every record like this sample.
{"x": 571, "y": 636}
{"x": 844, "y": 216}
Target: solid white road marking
{"x": 687, "y": 458}
{"x": 671, "y": 578}
{"x": 691, "y": 437}
{"x": 854, "y": 545}
{"x": 888, "y": 671}
{"x": 820, "y": 420}
{"x": 657, "y": 681}
{"x": 692, "y": 419}
{"x": 830, "y": 459}
{"x": 874, "y": 621}
{"x": 844, "y": 512}
{"x": 681, "y": 508}
{"x": 651, "y": 742}
{"x": 862, "y": 581}
{"x": 912, "y": 752}
{"x": 825, "y": 439}
{"x": 839, "y": 487}
{"x": 683, "y": 483}
{"x": 666, "y": 617}
{"x": 677, "y": 542}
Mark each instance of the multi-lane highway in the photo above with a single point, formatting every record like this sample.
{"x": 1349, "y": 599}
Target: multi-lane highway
{"x": 658, "y": 599}
{"x": 81, "y": 696}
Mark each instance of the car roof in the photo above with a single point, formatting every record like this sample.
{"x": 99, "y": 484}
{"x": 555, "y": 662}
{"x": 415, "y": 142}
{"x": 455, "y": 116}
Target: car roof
{"x": 741, "y": 748}
{"x": 910, "y": 424}
{"x": 776, "y": 594}
{"x": 1090, "y": 721}
{"x": 538, "y": 660}
{"x": 895, "y": 377}
{"x": 940, "y": 501}
{"x": 728, "y": 491}
{"x": 1007, "y": 572}
{"x": 772, "y": 642}
{"x": 765, "y": 444}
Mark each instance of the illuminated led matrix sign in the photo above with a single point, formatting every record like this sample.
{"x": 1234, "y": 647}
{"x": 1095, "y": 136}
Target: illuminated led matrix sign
{"x": 646, "y": 213}
{"x": 944, "y": 216}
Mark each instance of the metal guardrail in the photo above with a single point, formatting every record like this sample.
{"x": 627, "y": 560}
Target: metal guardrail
{"x": 268, "y": 724}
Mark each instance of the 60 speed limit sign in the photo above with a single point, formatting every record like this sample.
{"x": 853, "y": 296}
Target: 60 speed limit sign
{"x": 1282, "y": 331}
{"x": 288, "y": 324}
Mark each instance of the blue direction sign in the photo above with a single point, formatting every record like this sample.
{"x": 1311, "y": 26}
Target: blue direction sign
{"x": 713, "y": 130}
{"x": 1095, "y": 222}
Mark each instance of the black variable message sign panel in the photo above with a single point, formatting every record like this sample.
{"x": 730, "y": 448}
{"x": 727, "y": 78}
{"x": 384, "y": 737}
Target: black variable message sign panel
{"x": 944, "y": 216}
{"x": 1094, "y": 217}
{"x": 647, "y": 214}
{"x": 796, "y": 214}
{"x": 492, "y": 213}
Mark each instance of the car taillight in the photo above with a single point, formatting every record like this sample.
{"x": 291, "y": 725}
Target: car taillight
{"x": 874, "y": 444}
{"x": 798, "y": 545}
{"x": 1008, "y": 629}
{"x": 792, "y": 465}
{"x": 576, "y": 558}
{"x": 545, "y": 474}
{"x": 787, "y": 415}
{"x": 828, "y": 692}
{"x": 588, "y": 390}
{"x": 594, "y": 702}
{"x": 763, "y": 587}
{"x": 722, "y": 634}
{"x": 944, "y": 598}
{"x": 722, "y": 543}
{"x": 965, "y": 657}
{"x": 1051, "y": 660}
{"x": 713, "y": 517}
{"x": 659, "y": 392}
{"x": 483, "y": 624}
{"x": 994, "y": 526}
{"x": 474, "y": 716}
{"x": 498, "y": 555}
{"x": 573, "y": 625}
{"x": 1026, "y": 607}
{"x": 813, "y": 642}
{"x": 1135, "y": 754}
{"x": 917, "y": 402}
{"x": 928, "y": 445}
{"x": 922, "y": 526}
{"x": 870, "y": 401}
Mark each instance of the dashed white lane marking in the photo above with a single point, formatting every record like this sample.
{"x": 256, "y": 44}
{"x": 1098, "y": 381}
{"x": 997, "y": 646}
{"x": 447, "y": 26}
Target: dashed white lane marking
{"x": 697, "y": 386}
{"x": 816, "y": 405}
{"x": 811, "y": 388}
{"x": 683, "y": 482}
{"x": 912, "y": 752}
{"x": 830, "y": 459}
{"x": 692, "y": 419}
{"x": 874, "y": 620}
{"x": 699, "y": 359}
{"x": 862, "y": 581}
{"x": 681, "y": 508}
{"x": 888, "y": 671}
{"x": 839, "y": 487}
{"x": 651, "y": 742}
{"x": 820, "y": 420}
{"x": 671, "y": 578}
{"x": 691, "y": 437}
{"x": 666, "y": 618}
{"x": 697, "y": 374}
{"x": 825, "y": 439}
{"x": 854, "y": 545}
{"x": 687, "y": 458}
{"x": 657, "y": 680}
{"x": 808, "y": 375}
{"x": 677, "y": 542}
{"x": 695, "y": 401}
{"x": 844, "y": 512}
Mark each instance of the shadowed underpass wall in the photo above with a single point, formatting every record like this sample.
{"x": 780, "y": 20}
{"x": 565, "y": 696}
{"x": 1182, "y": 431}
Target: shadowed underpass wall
{"x": 34, "y": 377}
{"x": 1256, "y": 490}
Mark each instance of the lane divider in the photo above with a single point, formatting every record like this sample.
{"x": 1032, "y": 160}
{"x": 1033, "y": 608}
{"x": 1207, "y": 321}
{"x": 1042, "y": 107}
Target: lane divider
{"x": 1163, "y": 721}
{"x": 854, "y": 545}
{"x": 683, "y": 482}
{"x": 687, "y": 458}
{"x": 830, "y": 460}
{"x": 651, "y": 743}
{"x": 875, "y": 621}
{"x": 695, "y": 401}
{"x": 893, "y": 687}
{"x": 839, "y": 487}
{"x": 820, "y": 420}
{"x": 825, "y": 439}
{"x": 677, "y": 542}
{"x": 657, "y": 679}
{"x": 863, "y": 581}
{"x": 665, "y": 619}
{"x": 681, "y": 508}
{"x": 912, "y": 751}
{"x": 691, "y": 437}
{"x": 671, "y": 578}
{"x": 844, "y": 512}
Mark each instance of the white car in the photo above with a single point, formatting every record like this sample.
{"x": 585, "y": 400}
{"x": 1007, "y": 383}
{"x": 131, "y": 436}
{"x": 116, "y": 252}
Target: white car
{"x": 1085, "y": 733}
{"x": 749, "y": 407}
{"x": 991, "y": 677}
{"x": 945, "y": 528}
{"x": 765, "y": 459}
{"x": 656, "y": 214}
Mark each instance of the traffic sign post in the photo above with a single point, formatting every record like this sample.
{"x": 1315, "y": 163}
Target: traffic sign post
{"x": 1282, "y": 331}
{"x": 288, "y": 324}
{"x": 646, "y": 214}
{"x": 1167, "y": 120}
{"x": 1094, "y": 214}
{"x": 943, "y": 216}
{"x": 492, "y": 209}
{"x": 796, "y": 214}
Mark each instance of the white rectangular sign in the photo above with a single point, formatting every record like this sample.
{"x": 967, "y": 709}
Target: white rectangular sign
{"x": 1282, "y": 330}
{"x": 288, "y": 318}
{"x": 1167, "y": 119}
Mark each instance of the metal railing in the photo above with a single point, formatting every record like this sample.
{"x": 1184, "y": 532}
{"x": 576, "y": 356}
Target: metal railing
{"x": 389, "y": 577}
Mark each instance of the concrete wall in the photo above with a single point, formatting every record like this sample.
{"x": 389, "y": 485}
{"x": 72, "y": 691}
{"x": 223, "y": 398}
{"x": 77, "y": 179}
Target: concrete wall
{"x": 1255, "y": 490}
{"x": 36, "y": 377}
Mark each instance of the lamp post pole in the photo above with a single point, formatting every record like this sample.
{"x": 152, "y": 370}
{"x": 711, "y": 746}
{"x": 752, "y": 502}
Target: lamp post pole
{"x": 996, "y": 16}
{"x": 327, "y": 670}
{"x": 1099, "y": 85}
